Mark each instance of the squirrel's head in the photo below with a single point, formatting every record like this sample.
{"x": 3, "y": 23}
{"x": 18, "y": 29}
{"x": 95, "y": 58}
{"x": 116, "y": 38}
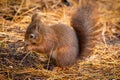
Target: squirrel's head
{"x": 33, "y": 35}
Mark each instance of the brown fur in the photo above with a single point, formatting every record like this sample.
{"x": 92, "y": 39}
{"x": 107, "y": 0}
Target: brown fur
{"x": 58, "y": 40}
{"x": 62, "y": 42}
{"x": 84, "y": 21}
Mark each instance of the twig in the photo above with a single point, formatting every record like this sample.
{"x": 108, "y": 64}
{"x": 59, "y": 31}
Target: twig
{"x": 103, "y": 35}
{"x": 24, "y": 57}
{"x": 51, "y": 52}
{"x": 29, "y": 11}
{"x": 18, "y": 10}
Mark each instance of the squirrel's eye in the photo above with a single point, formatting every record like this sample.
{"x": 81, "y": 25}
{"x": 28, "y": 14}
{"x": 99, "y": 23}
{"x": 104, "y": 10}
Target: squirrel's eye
{"x": 32, "y": 36}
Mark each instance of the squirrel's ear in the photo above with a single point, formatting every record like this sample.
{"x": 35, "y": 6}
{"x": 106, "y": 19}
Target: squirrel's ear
{"x": 37, "y": 27}
{"x": 36, "y": 16}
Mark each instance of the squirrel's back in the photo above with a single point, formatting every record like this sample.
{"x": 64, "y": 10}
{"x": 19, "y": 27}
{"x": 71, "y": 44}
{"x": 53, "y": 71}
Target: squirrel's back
{"x": 67, "y": 45}
{"x": 84, "y": 21}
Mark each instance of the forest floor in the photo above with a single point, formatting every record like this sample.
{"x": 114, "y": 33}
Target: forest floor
{"x": 16, "y": 64}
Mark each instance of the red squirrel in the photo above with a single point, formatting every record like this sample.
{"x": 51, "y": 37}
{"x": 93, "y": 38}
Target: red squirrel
{"x": 61, "y": 42}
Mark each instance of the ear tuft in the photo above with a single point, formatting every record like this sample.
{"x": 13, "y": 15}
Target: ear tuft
{"x": 36, "y": 16}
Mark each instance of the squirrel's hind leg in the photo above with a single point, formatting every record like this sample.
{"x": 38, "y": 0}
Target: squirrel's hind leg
{"x": 66, "y": 56}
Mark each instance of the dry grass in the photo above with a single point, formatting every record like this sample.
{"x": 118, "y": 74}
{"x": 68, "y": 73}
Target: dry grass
{"x": 15, "y": 64}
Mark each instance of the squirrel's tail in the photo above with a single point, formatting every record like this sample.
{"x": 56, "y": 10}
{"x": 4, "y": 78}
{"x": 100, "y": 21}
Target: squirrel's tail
{"x": 84, "y": 22}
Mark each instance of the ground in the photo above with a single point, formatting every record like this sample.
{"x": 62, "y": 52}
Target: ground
{"x": 17, "y": 64}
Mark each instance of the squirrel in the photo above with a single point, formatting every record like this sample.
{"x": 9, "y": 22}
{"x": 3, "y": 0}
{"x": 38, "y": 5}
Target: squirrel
{"x": 61, "y": 42}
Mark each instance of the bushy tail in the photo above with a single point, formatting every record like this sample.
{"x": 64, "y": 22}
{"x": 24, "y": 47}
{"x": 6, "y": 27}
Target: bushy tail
{"x": 84, "y": 22}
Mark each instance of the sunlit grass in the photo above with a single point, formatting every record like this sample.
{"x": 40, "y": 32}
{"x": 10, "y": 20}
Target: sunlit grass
{"x": 15, "y": 63}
